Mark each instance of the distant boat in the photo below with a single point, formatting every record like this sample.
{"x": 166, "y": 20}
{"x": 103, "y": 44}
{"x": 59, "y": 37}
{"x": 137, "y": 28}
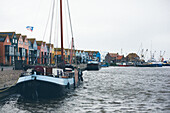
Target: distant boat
{"x": 150, "y": 63}
{"x": 154, "y": 63}
{"x": 166, "y": 63}
{"x": 93, "y": 65}
{"x": 125, "y": 64}
{"x": 105, "y": 65}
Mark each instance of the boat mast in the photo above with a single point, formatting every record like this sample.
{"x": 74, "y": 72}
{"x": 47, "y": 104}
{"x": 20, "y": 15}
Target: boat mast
{"x": 61, "y": 23}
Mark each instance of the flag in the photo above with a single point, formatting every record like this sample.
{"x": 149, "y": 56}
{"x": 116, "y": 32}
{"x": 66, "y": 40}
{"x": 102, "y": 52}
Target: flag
{"x": 30, "y": 28}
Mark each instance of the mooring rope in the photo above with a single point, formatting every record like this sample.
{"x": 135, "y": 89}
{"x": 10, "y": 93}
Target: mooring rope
{"x": 10, "y": 86}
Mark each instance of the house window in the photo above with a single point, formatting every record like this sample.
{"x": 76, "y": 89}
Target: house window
{"x": 13, "y": 41}
{"x": 16, "y": 41}
{"x": 7, "y": 40}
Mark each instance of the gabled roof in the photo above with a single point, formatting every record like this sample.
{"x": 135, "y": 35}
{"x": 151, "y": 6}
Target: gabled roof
{"x": 18, "y": 35}
{"x": 10, "y": 34}
{"x": 57, "y": 49}
{"x": 113, "y": 54}
{"x": 119, "y": 57}
{"x": 3, "y": 37}
{"x": 66, "y": 49}
{"x": 31, "y": 40}
{"x": 24, "y": 36}
{"x": 52, "y": 45}
{"x": 48, "y": 45}
{"x": 44, "y": 43}
{"x": 132, "y": 55}
{"x": 39, "y": 43}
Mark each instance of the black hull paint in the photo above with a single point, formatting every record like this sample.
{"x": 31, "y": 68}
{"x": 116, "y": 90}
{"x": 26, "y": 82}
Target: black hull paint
{"x": 35, "y": 89}
{"x": 165, "y": 64}
{"x": 93, "y": 67}
{"x": 7, "y": 91}
{"x": 148, "y": 65}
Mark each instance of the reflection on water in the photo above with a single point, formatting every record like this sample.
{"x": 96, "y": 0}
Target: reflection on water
{"x": 113, "y": 89}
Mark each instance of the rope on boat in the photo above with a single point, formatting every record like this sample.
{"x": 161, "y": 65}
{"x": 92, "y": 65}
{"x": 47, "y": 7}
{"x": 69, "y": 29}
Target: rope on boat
{"x": 47, "y": 22}
{"x": 70, "y": 18}
{"x": 10, "y": 86}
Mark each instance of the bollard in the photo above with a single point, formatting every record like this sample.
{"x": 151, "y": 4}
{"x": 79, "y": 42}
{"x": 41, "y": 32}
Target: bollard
{"x": 2, "y": 69}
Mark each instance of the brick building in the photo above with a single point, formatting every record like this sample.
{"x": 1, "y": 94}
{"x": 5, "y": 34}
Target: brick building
{"x": 40, "y": 47}
{"x": 6, "y": 50}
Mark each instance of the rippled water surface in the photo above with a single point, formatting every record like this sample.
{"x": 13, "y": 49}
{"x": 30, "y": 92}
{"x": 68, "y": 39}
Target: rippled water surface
{"x": 113, "y": 89}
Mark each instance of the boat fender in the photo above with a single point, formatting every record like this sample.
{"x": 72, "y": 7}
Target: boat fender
{"x": 80, "y": 75}
{"x": 74, "y": 84}
{"x": 81, "y": 78}
{"x": 68, "y": 85}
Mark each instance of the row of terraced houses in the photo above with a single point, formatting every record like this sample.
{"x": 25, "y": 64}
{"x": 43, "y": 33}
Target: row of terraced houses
{"x": 18, "y": 47}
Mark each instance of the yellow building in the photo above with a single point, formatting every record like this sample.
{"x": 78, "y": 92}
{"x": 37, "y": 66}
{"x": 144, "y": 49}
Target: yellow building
{"x": 67, "y": 55}
{"x": 53, "y": 55}
{"x": 57, "y": 54}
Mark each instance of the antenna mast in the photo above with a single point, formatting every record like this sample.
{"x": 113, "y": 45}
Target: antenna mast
{"x": 61, "y": 22}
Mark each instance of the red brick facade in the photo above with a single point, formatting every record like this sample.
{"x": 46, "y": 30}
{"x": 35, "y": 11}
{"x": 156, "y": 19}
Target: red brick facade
{"x": 4, "y": 59}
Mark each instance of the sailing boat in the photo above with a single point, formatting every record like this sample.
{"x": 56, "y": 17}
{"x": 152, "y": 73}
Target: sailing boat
{"x": 49, "y": 82}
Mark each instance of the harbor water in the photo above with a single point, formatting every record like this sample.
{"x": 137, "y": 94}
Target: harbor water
{"x": 112, "y": 89}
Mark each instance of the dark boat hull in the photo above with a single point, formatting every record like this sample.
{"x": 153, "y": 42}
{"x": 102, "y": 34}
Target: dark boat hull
{"x": 165, "y": 64}
{"x": 93, "y": 67}
{"x": 35, "y": 89}
{"x": 149, "y": 65}
{"x": 125, "y": 65}
{"x": 4, "y": 92}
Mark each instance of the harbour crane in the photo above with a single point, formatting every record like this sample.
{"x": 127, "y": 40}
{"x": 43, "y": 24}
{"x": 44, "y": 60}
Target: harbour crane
{"x": 161, "y": 56}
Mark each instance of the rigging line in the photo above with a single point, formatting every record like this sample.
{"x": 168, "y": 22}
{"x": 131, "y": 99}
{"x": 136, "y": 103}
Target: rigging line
{"x": 67, "y": 41}
{"x": 56, "y": 28}
{"x": 70, "y": 18}
{"x": 52, "y": 21}
{"x": 47, "y": 22}
{"x": 73, "y": 46}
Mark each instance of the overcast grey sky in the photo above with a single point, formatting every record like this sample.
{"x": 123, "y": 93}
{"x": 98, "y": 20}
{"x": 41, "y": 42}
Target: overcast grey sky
{"x": 104, "y": 25}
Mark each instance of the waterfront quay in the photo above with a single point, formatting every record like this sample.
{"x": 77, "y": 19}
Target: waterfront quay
{"x": 8, "y": 76}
